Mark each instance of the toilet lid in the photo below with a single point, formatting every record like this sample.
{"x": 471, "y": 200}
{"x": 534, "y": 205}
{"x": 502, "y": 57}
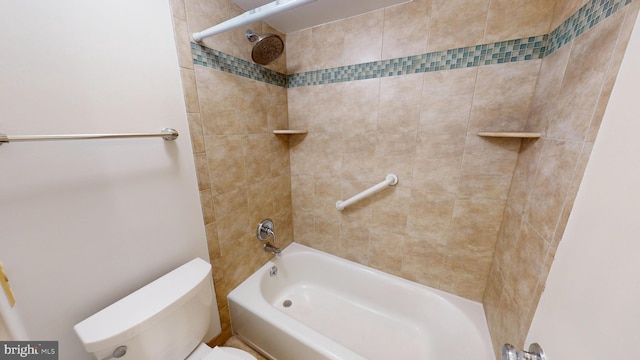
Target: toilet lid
{"x": 228, "y": 353}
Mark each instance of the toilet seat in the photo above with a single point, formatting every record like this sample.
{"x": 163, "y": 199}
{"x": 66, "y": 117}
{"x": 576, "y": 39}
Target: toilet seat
{"x": 228, "y": 353}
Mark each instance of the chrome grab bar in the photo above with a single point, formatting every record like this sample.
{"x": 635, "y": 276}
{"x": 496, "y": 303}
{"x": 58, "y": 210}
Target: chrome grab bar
{"x": 167, "y": 134}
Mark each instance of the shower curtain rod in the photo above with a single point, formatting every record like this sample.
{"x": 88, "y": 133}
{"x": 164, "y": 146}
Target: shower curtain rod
{"x": 259, "y": 13}
{"x": 167, "y": 134}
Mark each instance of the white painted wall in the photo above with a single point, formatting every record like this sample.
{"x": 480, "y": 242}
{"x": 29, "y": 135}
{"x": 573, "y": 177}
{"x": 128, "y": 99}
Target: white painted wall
{"x": 590, "y": 309}
{"x": 84, "y": 223}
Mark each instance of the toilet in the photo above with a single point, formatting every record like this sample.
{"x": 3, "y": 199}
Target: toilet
{"x": 164, "y": 320}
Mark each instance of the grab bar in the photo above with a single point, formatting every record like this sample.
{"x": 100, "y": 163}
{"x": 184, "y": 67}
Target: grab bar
{"x": 167, "y": 134}
{"x": 391, "y": 179}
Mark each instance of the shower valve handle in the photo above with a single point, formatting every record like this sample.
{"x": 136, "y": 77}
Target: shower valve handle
{"x": 265, "y": 230}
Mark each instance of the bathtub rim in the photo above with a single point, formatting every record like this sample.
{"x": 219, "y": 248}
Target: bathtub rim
{"x": 472, "y": 310}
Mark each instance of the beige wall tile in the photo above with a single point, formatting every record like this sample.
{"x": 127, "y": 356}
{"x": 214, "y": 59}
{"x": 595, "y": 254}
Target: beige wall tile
{"x": 229, "y": 202}
{"x": 437, "y": 175}
{"x": 360, "y": 102}
{"x": 490, "y": 156}
{"x": 390, "y": 209}
{"x": 202, "y": 171}
{"x": 508, "y": 328}
{"x": 226, "y": 162}
{"x": 555, "y": 170}
{"x": 190, "y": 90}
{"x": 326, "y": 192}
{"x": 329, "y": 109}
{"x": 260, "y": 200}
{"x": 571, "y": 194}
{"x": 298, "y": 55}
{"x": 325, "y": 162}
{"x": 301, "y": 155}
{"x": 197, "y": 133}
{"x": 544, "y": 103}
{"x": 457, "y": 23}
{"x": 255, "y": 147}
{"x": 359, "y": 166}
{"x": 232, "y": 233}
{"x": 524, "y": 265}
{"x": 303, "y": 228}
{"x": 465, "y": 273}
{"x": 503, "y": 96}
{"x": 524, "y": 173}
{"x": 583, "y": 80}
{"x": 206, "y": 202}
{"x": 515, "y": 19}
{"x": 177, "y": 9}
{"x": 475, "y": 225}
{"x": 385, "y": 251}
{"x": 507, "y": 240}
{"x": 327, "y": 235}
{"x": 400, "y": 104}
{"x": 423, "y": 261}
{"x": 446, "y": 101}
{"x": 363, "y": 38}
{"x": 354, "y": 242}
{"x": 183, "y": 42}
{"x": 302, "y": 189}
{"x": 440, "y": 145}
{"x": 405, "y": 29}
{"x": 219, "y": 95}
{"x": 202, "y": 15}
{"x": 327, "y": 45}
{"x": 564, "y": 9}
{"x": 490, "y": 186}
{"x": 430, "y": 215}
{"x": 491, "y": 305}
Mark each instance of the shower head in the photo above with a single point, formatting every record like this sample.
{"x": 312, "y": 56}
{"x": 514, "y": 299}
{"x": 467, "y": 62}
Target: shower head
{"x": 268, "y": 47}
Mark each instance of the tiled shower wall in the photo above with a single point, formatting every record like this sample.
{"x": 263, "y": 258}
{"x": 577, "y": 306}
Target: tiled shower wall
{"x": 243, "y": 170}
{"x": 569, "y": 102}
{"x": 440, "y": 224}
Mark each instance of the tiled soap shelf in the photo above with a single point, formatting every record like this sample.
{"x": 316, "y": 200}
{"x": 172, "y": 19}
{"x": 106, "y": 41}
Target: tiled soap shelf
{"x": 510, "y": 134}
{"x": 289, "y": 132}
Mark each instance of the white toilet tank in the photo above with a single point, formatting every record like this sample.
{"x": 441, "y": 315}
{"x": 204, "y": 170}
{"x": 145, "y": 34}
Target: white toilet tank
{"x": 164, "y": 320}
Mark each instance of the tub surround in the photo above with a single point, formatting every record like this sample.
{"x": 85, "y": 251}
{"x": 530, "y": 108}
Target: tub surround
{"x": 243, "y": 169}
{"x": 411, "y": 114}
{"x": 569, "y": 102}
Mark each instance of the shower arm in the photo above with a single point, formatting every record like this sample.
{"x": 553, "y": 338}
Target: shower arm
{"x": 248, "y": 17}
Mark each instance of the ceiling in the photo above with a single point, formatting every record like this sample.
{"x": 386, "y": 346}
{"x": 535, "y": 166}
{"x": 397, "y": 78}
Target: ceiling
{"x": 318, "y": 12}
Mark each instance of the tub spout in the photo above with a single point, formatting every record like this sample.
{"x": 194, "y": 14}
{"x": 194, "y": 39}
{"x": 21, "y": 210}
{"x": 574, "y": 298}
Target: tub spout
{"x": 272, "y": 249}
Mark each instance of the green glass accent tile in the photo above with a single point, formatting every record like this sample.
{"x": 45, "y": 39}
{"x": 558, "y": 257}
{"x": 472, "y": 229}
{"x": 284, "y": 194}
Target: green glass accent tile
{"x": 588, "y": 16}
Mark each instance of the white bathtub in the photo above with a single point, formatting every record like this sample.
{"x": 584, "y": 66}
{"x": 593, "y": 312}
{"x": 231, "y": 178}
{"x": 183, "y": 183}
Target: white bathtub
{"x": 343, "y": 310}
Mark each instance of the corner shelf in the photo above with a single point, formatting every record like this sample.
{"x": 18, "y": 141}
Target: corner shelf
{"x": 510, "y": 134}
{"x": 289, "y": 132}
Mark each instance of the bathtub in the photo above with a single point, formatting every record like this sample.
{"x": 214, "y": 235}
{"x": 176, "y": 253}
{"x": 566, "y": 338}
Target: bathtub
{"x": 318, "y": 306}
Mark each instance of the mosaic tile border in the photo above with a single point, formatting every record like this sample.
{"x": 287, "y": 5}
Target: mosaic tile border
{"x": 531, "y": 48}
{"x": 218, "y": 60}
{"x": 582, "y": 20}
{"x": 479, "y": 55}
